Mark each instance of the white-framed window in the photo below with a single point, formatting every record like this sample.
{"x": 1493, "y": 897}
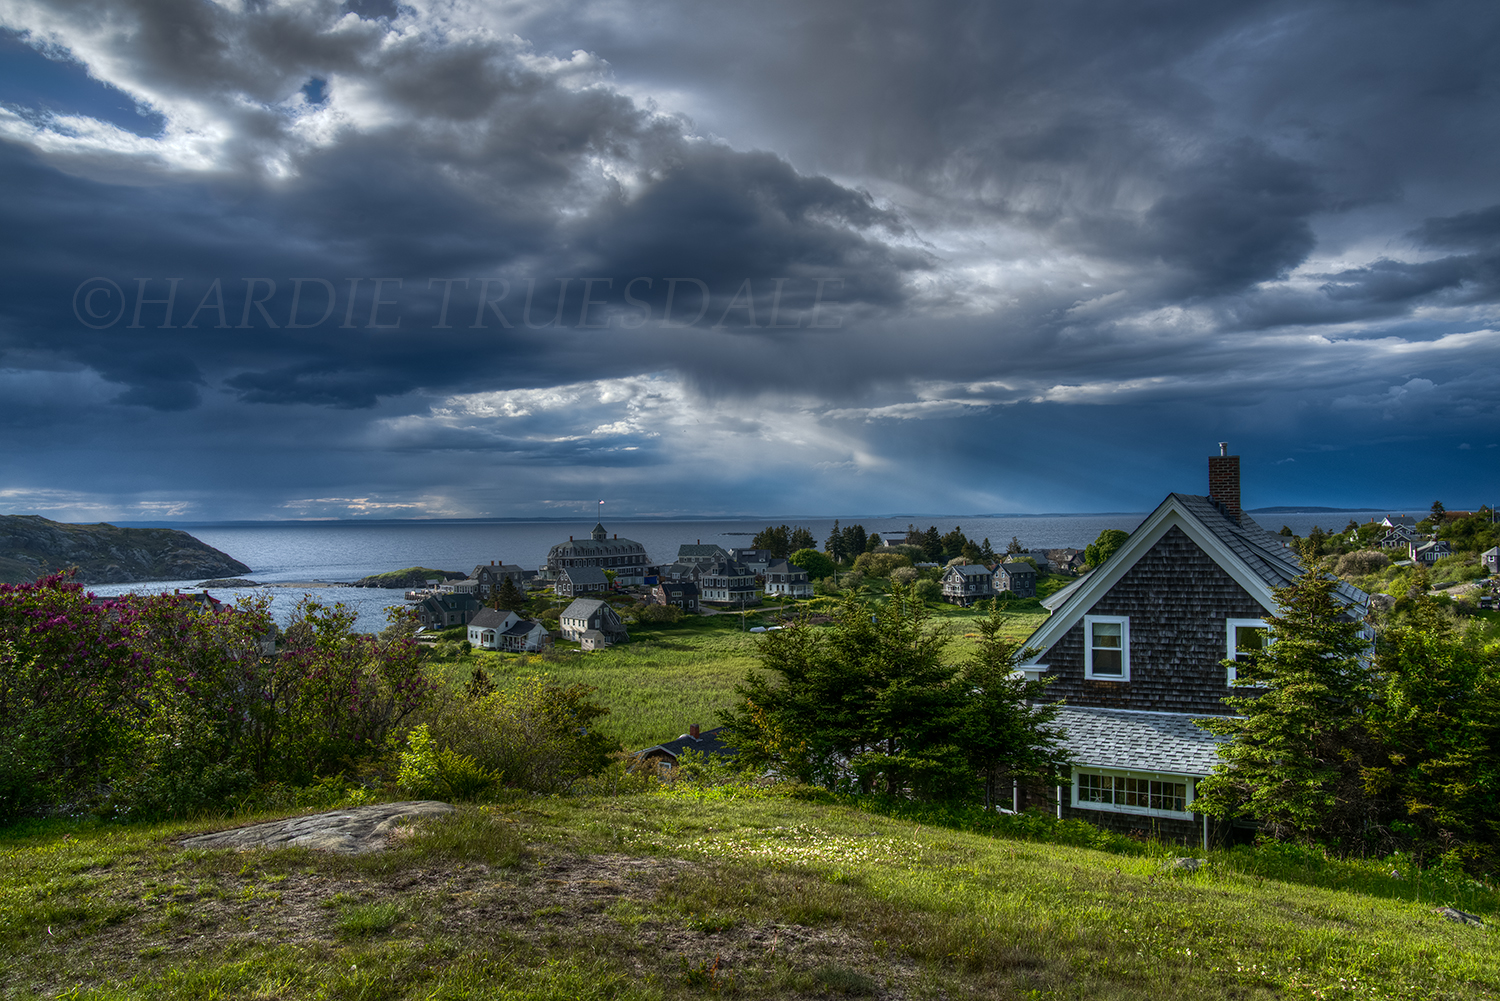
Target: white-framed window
{"x": 1106, "y": 647}
{"x": 1150, "y": 793}
{"x": 1243, "y": 638}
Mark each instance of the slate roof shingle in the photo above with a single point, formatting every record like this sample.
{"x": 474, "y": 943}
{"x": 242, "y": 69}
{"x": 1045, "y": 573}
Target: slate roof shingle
{"x": 1138, "y": 741}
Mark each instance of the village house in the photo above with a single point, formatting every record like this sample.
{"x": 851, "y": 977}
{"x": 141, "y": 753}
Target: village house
{"x": 664, "y": 758}
{"x": 1490, "y": 558}
{"x": 788, "y": 580}
{"x": 757, "y": 560}
{"x": 507, "y": 632}
{"x": 1070, "y": 560}
{"x": 591, "y": 623}
{"x": 440, "y": 611}
{"x": 1016, "y": 577}
{"x": 1136, "y": 649}
{"x": 625, "y": 557}
{"x": 1399, "y": 537}
{"x": 1428, "y": 553}
{"x": 681, "y": 594}
{"x": 574, "y": 581}
{"x": 489, "y": 579}
{"x": 726, "y": 582}
{"x": 698, "y": 553}
{"x": 966, "y": 584}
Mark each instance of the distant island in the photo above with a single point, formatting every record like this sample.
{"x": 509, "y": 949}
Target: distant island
{"x": 32, "y": 546}
{"x": 408, "y": 578}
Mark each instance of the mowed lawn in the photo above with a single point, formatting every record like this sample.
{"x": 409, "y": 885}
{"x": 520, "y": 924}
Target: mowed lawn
{"x": 668, "y": 677}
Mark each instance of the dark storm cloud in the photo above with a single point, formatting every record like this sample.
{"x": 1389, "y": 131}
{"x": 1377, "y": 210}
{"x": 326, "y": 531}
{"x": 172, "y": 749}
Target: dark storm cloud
{"x": 484, "y": 168}
{"x": 1043, "y": 222}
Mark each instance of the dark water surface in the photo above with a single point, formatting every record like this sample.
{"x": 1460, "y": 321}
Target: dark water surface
{"x": 344, "y": 551}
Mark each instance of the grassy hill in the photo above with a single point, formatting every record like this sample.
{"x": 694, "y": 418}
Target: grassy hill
{"x": 744, "y": 893}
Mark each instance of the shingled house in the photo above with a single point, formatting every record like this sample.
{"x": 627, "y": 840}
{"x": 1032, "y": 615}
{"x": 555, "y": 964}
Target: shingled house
{"x": 574, "y": 581}
{"x": 1137, "y": 648}
{"x": 626, "y": 557}
{"x": 507, "y": 631}
{"x": 1016, "y": 577}
{"x": 966, "y": 584}
{"x": 586, "y": 616}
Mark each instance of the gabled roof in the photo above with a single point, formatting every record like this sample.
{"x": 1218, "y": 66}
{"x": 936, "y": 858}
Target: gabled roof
{"x": 972, "y": 570}
{"x": 523, "y": 627}
{"x": 728, "y": 568}
{"x": 784, "y": 566}
{"x": 489, "y": 618}
{"x": 701, "y": 551}
{"x": 1257, "y": 560}
{"x": 707, "y": 742}
{"x": 1016, "y": 566}
{"x": 1138, "y": 741}
{"x": 583, "y": 608}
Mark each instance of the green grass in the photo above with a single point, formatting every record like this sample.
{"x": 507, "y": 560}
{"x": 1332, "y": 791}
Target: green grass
{"x": 746, "y": 893}
{"x": 670, "y": 676}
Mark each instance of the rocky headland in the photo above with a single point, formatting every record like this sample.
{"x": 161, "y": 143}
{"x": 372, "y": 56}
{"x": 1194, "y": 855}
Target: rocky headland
{"x": 31, "y": 547}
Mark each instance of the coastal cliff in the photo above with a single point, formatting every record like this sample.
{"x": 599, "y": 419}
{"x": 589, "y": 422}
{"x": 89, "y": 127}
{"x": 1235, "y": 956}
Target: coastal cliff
{"x": 31, "y": 547}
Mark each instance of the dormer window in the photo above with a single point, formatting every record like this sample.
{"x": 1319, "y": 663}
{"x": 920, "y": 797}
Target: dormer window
{"x": 1106, "y": 647}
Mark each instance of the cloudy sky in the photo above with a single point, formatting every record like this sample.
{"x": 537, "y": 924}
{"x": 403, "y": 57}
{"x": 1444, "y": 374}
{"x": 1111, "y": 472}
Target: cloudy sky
{"x": 298, "y": 258}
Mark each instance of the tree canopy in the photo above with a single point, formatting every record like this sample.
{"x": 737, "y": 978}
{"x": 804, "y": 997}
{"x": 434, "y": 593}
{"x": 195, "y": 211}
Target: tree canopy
{"x": 874, "y": 704}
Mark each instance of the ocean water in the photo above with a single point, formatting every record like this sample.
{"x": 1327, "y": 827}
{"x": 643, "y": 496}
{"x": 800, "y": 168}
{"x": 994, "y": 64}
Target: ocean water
{"x": 345, "y": 551}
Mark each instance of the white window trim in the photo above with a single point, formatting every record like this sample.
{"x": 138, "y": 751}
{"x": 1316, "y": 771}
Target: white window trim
{"x": 1230, "y": 625}
{"x": 1088, "y": 647}
{"x": 1191, "y": 793}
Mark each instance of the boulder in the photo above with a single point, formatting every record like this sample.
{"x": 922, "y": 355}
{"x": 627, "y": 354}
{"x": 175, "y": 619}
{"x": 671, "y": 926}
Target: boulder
{"x": 348, "y": 832}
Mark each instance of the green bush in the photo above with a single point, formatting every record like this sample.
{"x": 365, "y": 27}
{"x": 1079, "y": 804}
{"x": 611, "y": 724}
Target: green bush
{"x": 659, "y": 613}
{"x": 536, "y": 735}
{"x": 429, "y": 771}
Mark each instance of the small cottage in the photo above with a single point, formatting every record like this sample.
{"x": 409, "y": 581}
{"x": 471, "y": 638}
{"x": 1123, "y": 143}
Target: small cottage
{"x": 586, "y": 614}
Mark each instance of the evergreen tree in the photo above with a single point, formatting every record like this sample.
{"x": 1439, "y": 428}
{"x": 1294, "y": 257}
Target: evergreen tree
{"x": 932, "y": 544}
{"x": 1003, "y": 726}
{"x": 777, "y": 541}
{"x": 801, "y": 538}
{"x": 1296, "y": 750}
{"x": 873, "y": 543}
{"x": 834, "y": 544}
{"x": 1014, "y": 548}
{"x": 952, "y": 544}
{"x": 509, "y": 598}
{"x": 854, "y": 541}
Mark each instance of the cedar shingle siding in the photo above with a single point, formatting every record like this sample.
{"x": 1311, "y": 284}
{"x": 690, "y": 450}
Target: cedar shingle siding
{"x": 1177, "y": 599}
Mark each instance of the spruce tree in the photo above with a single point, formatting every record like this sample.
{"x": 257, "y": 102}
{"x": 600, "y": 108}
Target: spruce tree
{"x": 1300, "y": 738}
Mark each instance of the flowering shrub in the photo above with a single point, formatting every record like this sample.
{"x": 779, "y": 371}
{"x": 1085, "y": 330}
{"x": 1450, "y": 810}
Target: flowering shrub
{"x": 157, "y": 705}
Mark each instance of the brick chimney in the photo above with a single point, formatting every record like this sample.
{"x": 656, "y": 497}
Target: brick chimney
{"x": 1224, "y": 480}
{"x": 693, "y": 731}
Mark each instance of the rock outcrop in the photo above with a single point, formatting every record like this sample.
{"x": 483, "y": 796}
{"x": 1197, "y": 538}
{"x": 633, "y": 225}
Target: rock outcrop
{"x": 348, "y": 832}
{"x": 31, "y": 547}
{"x": 409, "y": 578}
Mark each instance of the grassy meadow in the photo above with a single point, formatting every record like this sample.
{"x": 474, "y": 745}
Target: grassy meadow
{"x": 670, "y": 676}
{"x": 731, "y": 891}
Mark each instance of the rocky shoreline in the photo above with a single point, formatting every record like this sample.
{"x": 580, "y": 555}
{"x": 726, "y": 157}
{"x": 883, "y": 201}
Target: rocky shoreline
{"x": 32, "y": 547}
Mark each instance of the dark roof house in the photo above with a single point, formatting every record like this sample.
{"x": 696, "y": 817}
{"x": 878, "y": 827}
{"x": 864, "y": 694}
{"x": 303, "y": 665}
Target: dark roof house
{"x": 964, "y": 584}
{"x": 1137, "y": 648}
{"x": 1016, "y": 577}
{"x": 665, "y": 756}
{"x": 573, "y": 581}
{"x": 591, "y": 614}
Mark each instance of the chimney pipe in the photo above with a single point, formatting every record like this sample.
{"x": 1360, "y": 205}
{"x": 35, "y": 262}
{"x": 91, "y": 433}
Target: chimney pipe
{"x": 1224, "y": 481}
{"x": 693, "y": 731}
